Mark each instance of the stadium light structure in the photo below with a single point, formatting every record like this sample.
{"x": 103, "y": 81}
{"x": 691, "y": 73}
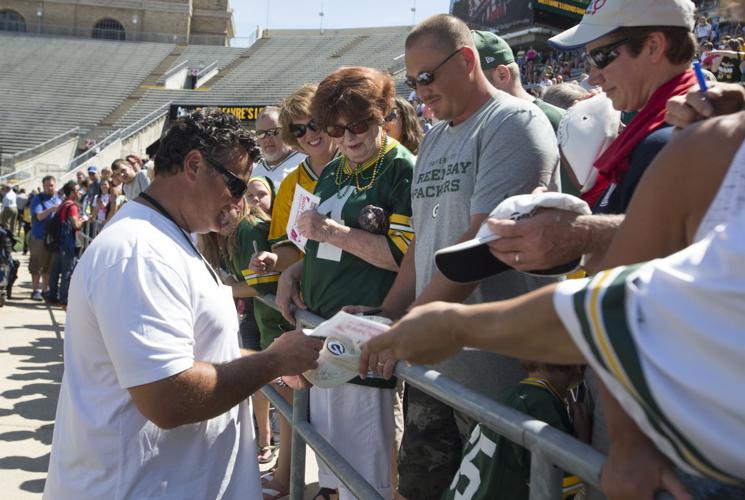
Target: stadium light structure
{"x": 413, "y": 12}
{"x": 320, "y": 15}
{"x": 39, "y": 14}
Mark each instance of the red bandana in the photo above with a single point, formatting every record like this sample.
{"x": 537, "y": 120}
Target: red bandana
{"x": 614, "y": 162}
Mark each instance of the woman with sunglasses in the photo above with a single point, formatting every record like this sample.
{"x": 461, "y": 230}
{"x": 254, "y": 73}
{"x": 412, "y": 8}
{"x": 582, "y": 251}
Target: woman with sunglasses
{"x": 300, "y": 132}
{"x": 402, "y": 124}
{"x": 356, "y": 241}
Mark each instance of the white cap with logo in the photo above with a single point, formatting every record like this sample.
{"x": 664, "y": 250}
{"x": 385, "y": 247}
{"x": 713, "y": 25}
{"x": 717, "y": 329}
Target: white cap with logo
{"x": 605, "y": 16}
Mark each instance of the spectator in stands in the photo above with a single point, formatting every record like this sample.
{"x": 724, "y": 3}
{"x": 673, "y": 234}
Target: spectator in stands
{"x": 729, "y": 66}
{"x": 488, "y": 145}
{"x": 278, "y": 158}
{"x": 703, "y": 30}
{"x": 66, "y": 256}
{"x": 42, "y": 206}
{"x": 10, "y": 208}
{"x": 402, "y": 124}
{"x": 357, "y": 239}
{"x": 133, "y": 182}
{"x": 301, "y": 132}
{"x": 105, "y": 174}
{"x": 499, "y": 67}
{"x": 503, "y": 466}
{"x": 80, "y": 176}
{"x": 94, "y": 186}
{"x": 103, "y": 204}
{"x": 166, "y": 372}
{"x": 565, "y": 95}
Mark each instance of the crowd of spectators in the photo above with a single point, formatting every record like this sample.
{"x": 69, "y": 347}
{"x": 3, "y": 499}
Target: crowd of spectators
{"x": 402, "y": 226}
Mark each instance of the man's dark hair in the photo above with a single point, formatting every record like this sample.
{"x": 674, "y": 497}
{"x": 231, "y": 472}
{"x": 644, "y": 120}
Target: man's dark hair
{"x": 116, "y": 163}
{"x": 69, "y": 187}
{"x": 47, "y": 178}
{"x": 212, "y": 132}
{"x": 681, "y": 44}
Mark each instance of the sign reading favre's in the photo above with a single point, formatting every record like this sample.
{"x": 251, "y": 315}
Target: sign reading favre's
{"x": 243, "y": 113}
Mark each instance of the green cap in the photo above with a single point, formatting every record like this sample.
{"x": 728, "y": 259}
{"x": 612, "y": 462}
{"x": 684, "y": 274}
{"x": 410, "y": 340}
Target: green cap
{"x": 493, "y": 51}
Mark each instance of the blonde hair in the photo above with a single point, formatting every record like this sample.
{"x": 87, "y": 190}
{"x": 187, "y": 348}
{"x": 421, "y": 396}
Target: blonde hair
{"x": 212, "y": 245}
{"x": 294, "y": 107}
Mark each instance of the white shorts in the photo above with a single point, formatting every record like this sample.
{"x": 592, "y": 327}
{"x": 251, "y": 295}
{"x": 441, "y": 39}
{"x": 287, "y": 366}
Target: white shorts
{"x": 353, "y": 418}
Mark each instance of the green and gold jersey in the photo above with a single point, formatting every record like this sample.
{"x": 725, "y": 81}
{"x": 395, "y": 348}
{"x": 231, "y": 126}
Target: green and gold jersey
{"x": 271, "y": 323}
{"x": 302, "y": 176}
{"x": 493, "y": 467}
{"x": 333, "y": 278}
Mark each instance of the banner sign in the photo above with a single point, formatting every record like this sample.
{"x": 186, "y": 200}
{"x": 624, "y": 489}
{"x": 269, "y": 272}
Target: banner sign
{"x": 243, "y": 113}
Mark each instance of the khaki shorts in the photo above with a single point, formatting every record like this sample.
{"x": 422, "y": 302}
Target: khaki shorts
{"x": 41, "y": 258}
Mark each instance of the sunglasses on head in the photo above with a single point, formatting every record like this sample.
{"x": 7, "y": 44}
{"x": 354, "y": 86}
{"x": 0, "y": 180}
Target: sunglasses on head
{"x": 427, "y": 77}
{"x": 358, "y": 127}
{"x": 601, "y": 57}
{"x": 299, "y": 129}
{"x": 236, "y": 185}
{"x": 260, "y": 134}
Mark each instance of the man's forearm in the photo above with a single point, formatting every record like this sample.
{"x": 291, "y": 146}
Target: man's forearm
{"x": 521, "y": 327}
{"x": 403, "y": 291}
{"x": 205, "y": 390}
{"x": 242, "y": 290}
{"x": 598, "y": 232}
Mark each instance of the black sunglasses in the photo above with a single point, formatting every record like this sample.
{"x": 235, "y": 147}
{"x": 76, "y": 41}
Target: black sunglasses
{"x": 260, "y": 134}
{"x": 427, "y": 77}
{"x": 299, "y": 129}
{"x": 236, "y": 185}
{"x": 358, "y": 127}
{"x": 601, "y": 57}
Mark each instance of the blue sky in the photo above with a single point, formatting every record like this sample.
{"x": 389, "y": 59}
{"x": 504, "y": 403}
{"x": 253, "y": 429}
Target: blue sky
{"x": 303, "y": 14}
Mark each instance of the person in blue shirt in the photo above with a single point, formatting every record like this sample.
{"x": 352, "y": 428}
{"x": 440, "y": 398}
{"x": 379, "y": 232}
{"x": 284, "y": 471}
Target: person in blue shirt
{"x": 43, "y": 205}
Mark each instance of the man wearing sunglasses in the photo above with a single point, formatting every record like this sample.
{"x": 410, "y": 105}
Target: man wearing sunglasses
{"x": 277, "y": 157}
{"x": 153, "y": 402}
{"x": 488, "y": 145}
{"x": 640, "y": 54}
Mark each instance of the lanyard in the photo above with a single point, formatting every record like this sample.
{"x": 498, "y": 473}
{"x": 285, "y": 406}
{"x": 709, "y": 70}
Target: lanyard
{"x": 165, "y": 214}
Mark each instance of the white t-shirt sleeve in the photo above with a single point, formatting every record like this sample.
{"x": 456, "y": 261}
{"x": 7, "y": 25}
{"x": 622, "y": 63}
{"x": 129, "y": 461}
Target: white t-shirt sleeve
{"x": 518, "y": 155}
{"x": 146, "y": 320}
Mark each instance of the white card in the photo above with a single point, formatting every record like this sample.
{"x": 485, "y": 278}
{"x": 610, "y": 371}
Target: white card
{"x": 302, "y": 201}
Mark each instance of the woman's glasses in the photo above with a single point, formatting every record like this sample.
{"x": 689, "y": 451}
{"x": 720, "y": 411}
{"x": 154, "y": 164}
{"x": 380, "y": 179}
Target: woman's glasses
{"x": 427, "y": 77}
{"x": 299, "y": 129}
{"x": 358, "y": 127}
{"x": 601, "y": 57}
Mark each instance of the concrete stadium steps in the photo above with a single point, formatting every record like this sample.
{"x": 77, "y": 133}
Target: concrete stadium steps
{"x": 275, "y": 66}
{"x": 50, "y": 85}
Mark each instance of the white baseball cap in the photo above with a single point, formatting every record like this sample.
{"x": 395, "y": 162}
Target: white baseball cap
{"x": 471, "y": 260}
{"x": 605, "y": 16}
{"x": 345, "y": 334}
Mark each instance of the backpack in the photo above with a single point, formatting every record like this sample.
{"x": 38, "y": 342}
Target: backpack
{"x": 59, "y": 235}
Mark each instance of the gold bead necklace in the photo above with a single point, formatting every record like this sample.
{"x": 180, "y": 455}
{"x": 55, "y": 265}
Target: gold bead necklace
{"x": 344, "y": 166}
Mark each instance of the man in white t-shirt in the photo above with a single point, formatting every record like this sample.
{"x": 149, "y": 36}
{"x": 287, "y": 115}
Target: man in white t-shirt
{"x": 278, "y": 158}
{"x": 10, "y": 207}
{"x": 153, "y": 399}
{"x": 133, "y": 181}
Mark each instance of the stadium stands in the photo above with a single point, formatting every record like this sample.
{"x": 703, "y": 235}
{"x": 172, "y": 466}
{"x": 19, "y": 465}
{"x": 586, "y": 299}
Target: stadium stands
{"x": 51, "y": 85}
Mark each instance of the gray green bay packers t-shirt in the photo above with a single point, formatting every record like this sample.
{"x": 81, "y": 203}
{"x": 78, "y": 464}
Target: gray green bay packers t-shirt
{"x": 507, "y": 147}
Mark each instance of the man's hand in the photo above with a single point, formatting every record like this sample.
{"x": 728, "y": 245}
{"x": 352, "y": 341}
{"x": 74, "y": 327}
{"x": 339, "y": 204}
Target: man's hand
{"x": 720, "y": 99}
{"x": 263, "y": 262}
{"x": 296, "y": 382}
{"x": 548, "y": 239}
{"x": 288, "y": 292}
{"x": 296, "y": 352}
{"x": 315, "y": 226}
{"x": 636, "y": 469}
{"x": 424, "y": 336}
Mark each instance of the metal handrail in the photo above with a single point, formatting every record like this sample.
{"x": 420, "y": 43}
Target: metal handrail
{"x": 48, "y": 144}
{"x": 549, "y": 447}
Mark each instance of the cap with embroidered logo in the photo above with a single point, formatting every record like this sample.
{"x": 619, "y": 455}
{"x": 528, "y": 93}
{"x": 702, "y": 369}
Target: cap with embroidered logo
{"x": 493, "y": 51}
{"x": 602, "y": 17}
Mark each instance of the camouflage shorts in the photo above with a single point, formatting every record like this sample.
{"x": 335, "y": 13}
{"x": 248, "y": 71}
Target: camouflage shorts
{"x": 431, "y": 448}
